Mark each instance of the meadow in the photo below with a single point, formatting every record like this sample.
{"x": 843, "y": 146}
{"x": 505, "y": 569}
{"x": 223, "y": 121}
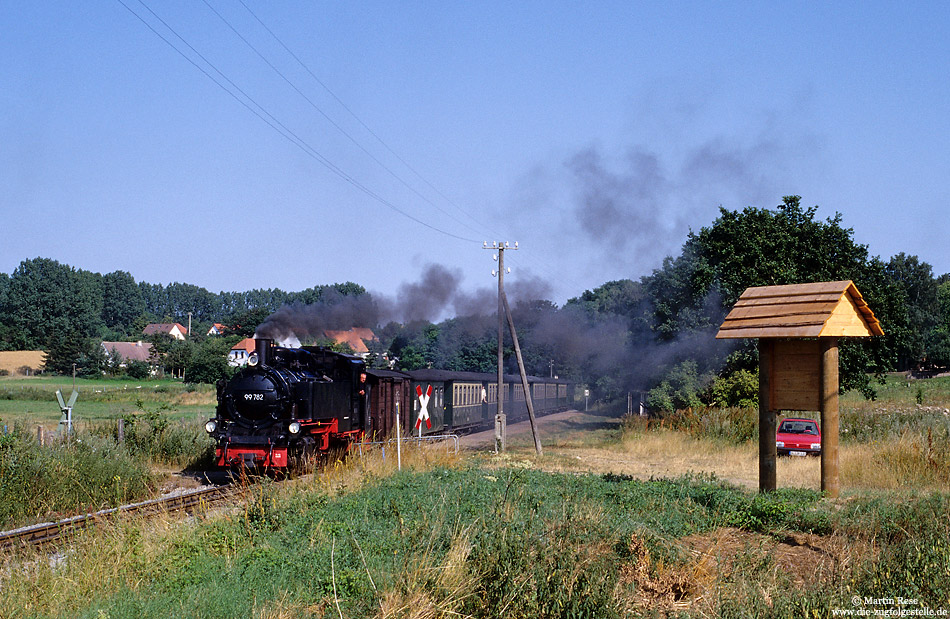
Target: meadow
{"x": 92, "y": 470}
{"x": 620, "y": 517}
{"x": 32, "y": 401}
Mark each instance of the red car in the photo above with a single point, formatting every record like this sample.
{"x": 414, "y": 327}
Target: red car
{"x": 798, "y": 437}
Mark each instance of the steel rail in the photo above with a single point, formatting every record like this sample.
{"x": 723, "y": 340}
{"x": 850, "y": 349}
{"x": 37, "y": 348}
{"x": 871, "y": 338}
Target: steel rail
{"x": 37, "y": 534}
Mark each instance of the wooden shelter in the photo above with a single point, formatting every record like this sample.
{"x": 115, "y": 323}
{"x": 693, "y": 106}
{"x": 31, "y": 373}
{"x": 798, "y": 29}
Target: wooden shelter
{"x": 798, "y": 327}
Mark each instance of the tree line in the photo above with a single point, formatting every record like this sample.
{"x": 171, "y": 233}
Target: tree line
{"x": 654, "y": 334}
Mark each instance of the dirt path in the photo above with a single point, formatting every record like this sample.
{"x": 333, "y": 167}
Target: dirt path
{"x": 552, "y": 427}
{"x": 588, "y": 442}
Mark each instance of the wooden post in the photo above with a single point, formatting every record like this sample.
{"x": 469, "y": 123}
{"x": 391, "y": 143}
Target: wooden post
{"x": 524, "y": 377}
{"x": 767, "y": 418}
{"x": 501, "y": 441}
{"x": 39, "y": 436}
{"x": 829, "y": 416}
{"x": 121, "y": 433}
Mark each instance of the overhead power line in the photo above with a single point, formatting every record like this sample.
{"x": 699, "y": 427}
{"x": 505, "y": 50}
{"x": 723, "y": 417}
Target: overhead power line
{"x": 327, "y": 116}
{"x": 271, "y": 121}
{"x": 365, "y": 126}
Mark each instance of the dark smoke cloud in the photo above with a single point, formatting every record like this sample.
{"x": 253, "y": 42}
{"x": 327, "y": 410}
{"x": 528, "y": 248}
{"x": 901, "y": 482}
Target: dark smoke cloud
{"x": 334, "y": 311}
{"x": 619, "y": 208}
{"x": 438, "y": 295}
{"x": 435, "y": 296}
{"x": 643, "y": 204}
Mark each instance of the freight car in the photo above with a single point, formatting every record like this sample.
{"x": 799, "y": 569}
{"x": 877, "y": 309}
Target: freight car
{"x": 289, "y": 403}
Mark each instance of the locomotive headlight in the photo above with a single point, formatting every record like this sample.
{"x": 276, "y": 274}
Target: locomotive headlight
{"x": 294, "y": 427}
{"x": 253, "y": 359}
{"x": 211, "y": 426}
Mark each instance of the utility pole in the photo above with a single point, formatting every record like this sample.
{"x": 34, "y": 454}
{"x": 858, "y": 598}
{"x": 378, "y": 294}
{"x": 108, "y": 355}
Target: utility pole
{"x": 500, "y": 425}
{"x": 505, "y": 312}
{"x": 524, "y": 377}
{"x": 189, "y": 325}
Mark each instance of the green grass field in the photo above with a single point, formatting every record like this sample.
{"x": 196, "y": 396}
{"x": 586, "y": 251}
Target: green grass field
{"x": 513, "y": 535}
{"x": 32, "y": 401}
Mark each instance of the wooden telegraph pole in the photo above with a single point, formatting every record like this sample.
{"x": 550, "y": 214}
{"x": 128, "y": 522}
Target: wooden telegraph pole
{"x": 524, "y": 377}
{"x": 505, "y": 312}
{"x": 500, "y": 425}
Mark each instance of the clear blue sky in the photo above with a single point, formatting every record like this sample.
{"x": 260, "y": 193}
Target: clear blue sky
{"x": 595, "y": 134}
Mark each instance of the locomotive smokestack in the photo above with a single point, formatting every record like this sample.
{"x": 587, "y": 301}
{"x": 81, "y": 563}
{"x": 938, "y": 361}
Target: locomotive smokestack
{"x": 262, "y": 348}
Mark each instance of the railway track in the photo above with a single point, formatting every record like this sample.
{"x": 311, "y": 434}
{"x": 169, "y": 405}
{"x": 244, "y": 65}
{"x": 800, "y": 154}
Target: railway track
{"x": 38, "y": 534}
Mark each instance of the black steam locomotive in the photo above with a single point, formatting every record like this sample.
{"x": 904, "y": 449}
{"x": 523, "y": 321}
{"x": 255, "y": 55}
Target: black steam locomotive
{"x": 289, "y": 403}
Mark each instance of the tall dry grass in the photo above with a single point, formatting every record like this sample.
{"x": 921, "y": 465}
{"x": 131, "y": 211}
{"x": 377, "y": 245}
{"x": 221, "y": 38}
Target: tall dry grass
{"x": 907, "y": 461}
{"x": 644, "y": 451}
{"x": 340, "y": 472}
{"x": 99, "y": 562}
{"x": 434, "y": 585}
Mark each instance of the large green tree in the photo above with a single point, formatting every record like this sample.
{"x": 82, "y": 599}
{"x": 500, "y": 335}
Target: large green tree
{"x": 47, "y": 300}
{"x": 760, "y": 247}
{"x": 938, "y": 340}
{"x": 916, "y": 283}
{"x": 122, "y": 301}
{"x": 6, "y": 329}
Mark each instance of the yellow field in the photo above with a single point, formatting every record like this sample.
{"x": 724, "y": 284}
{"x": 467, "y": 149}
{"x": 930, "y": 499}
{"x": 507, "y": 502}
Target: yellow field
{"x": 13, "y": 361}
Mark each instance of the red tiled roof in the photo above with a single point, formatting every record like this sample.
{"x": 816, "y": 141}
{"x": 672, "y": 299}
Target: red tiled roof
{"x": 163, "y": 327}
{"x": 354, "y": 337}
{"x": 247, "y": 345}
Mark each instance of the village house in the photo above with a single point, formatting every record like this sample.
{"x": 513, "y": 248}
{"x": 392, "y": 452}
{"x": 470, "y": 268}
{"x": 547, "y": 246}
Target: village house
{"x": 127, "y": 351}
{"x": 174, "y": 330}
{"x": 240, "y": 352}
{"x": 356, "y": 338}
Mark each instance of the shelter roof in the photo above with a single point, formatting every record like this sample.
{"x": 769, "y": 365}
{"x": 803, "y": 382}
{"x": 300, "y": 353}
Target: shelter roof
{"x": 821, "y": 309}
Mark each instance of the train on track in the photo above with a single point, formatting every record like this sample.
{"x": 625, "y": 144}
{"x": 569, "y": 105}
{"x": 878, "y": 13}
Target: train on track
{"x": 291, "y": 403}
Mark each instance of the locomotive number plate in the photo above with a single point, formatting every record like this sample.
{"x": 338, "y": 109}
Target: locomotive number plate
{"x": 254, "y": 397}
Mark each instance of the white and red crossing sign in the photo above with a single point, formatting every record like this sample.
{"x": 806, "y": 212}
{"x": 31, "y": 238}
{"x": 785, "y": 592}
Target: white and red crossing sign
{"x": 423, "y": 406}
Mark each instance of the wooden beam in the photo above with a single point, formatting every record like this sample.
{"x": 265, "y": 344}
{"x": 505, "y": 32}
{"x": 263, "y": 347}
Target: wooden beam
{"x": 725, "y": 332}
{"x": 826, "y": 297}
{"x": 767, "y": 418}
{"x": 829, "y": 416}
{"x": 782, "y": 309}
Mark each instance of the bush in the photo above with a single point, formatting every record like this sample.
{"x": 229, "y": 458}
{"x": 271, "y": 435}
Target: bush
{"x": 139, "y": 370}
{"x": 82, "y": 475}
{"x": 680, "y": 390}
{"x": 152, "y": 436}
{"x": 740, "y": 389}
{"x": 736, "y": 425}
